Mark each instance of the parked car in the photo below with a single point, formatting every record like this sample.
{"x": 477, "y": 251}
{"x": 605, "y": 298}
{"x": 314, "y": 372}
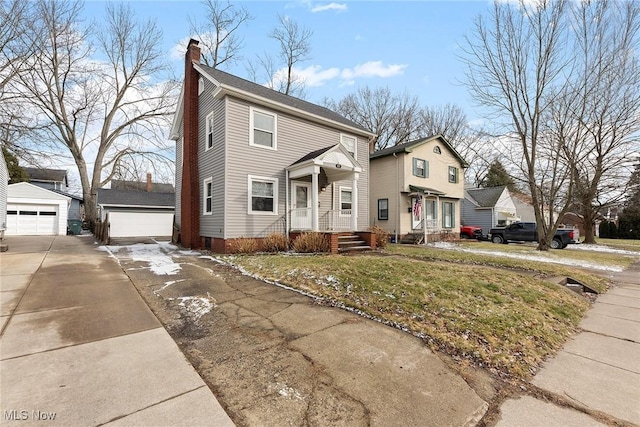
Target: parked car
{"x": 527, "y": 232}
{"x": 470, "y": 232}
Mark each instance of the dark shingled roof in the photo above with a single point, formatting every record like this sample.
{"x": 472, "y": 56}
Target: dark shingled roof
{"x": 406, "y": 146}
{"x": 312, "y": 155}
{"x": 117, "y": 184}
{"x": 135, "y": 198}
{"x": 273, "y": 95}
{"x": 486, "y": 197}
{"x": 47, "y": 175}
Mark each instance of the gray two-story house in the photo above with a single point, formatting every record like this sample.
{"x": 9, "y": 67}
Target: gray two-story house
{"x": 251, "y": 161}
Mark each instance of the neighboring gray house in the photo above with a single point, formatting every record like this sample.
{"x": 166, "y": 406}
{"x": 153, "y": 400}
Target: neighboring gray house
{"x": 134, "y": 213}
{"x": 251, "y": 161}
{"x": 51, "y": 179}
{"x": 524, "y": 209}
{"x": 488, "y": 208}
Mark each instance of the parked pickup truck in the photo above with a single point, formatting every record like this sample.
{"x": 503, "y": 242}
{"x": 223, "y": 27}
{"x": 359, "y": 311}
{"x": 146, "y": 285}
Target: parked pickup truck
{"x": 526, "y": 232}
{"x": 470, "y": 232}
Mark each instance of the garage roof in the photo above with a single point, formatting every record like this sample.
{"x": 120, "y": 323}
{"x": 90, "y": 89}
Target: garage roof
{"x": 111, "y": 197}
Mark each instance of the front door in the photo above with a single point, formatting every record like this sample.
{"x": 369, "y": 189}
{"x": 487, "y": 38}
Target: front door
{"x": 301, "y": 206}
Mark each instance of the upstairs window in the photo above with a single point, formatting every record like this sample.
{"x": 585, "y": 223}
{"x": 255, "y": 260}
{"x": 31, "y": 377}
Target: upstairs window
{"x": 200, "y": 85}
{"x": 453, "y": 174}
{"x": 420, "y": 167}
{"x": 350, "y": 143}
{"x": 207, "y": 199}
{"x": 209, "y": 132}
{"x": 263, "y": 129}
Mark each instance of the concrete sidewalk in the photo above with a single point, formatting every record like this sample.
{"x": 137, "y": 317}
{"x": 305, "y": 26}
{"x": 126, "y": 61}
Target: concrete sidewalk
{"x": 79, "y": 347}
{"x": 597, "y": 373}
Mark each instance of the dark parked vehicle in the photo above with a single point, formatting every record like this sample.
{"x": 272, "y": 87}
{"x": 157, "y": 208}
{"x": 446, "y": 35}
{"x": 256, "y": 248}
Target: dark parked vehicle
{"x": 527, "y": 232}
{"x": 470, "y": 232}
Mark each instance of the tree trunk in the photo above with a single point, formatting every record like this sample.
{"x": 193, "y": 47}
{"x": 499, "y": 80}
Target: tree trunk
{"x": 589, "y": 235}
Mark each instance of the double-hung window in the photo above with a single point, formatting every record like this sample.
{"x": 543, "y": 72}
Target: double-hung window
{"x": 453, "y": 174}
{"x": 448, "y": 215}
{"x": 263, "y": 129}
{"x": 345, "y": 201}
{"x": 207, "y": 196}
{"x": 350, "y": 143}
{"x": 383, "y": 209}
{"x": 420, "y": 167}
{"x": 263, "y": 195}
{"x": 209, "y": 131}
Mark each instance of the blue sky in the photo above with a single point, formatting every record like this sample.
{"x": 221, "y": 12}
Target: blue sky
{"x": 405, "y": 45}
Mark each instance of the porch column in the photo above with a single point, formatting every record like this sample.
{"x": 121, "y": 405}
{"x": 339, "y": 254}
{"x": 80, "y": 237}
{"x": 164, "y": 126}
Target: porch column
{"x": 314, "y": 199}
{"x": 424, "y": 217}
{"x": 354, "y": 202}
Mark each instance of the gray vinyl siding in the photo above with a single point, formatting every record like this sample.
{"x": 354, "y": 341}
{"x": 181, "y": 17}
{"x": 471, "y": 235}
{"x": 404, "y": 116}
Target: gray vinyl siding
{"x": 178, "y": 178}
{"x": 295, "y": 138}
{"x": 471, "y": 215}
{"x": 212, "y": 162}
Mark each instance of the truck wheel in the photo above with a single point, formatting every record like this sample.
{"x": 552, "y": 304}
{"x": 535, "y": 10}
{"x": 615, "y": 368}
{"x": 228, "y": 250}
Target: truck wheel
{"x": 497, "y": 239}
{"x": 556, "y": 244}
{"x": 464, "y": 236}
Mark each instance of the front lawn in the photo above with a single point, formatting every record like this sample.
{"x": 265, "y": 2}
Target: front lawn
{"x": 472, "y": 308}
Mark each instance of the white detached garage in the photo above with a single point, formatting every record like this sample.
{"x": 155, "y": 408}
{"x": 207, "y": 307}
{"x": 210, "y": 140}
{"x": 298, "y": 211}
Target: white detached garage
{"x": 35, "y": 211}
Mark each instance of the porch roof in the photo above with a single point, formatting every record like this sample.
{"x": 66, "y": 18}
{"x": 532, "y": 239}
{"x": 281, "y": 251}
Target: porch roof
{"x": 425, "y": 190}
{"x": 336, "y": 161}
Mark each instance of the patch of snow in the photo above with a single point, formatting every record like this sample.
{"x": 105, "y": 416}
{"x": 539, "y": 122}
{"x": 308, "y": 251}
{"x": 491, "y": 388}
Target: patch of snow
{"x": 537, "y": 258}
{"x": 166, "y": 285}
{"x": 288, "y": 392}
{"x": 154, "y": 254}
{"x": 196, "y": 306}
{"x": 602, "y": 248}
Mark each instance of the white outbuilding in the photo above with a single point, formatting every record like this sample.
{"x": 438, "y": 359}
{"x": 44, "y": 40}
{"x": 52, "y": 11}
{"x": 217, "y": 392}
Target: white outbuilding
{"x": 35, "y": 211}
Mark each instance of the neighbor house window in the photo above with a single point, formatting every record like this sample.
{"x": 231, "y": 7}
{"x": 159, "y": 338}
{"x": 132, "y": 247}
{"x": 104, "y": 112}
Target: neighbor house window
{"x": 453, "y": 174}
{"x": 263, "y": 195}
{"x": 437, "y": 150}
{"x": 448, "y": 215}
{"x": 420, "y": 167}
{"x": 349, "y": 143}
{"x": 209, "y": 131}
{"x": 383, "y": 209}
{"x": 345, "y": 200}
{"x": 200, "y": 85}
{"x": 263, "y": 129}
{"x": 207, "y": 196}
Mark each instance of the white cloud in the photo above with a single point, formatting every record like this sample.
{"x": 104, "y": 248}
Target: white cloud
{"x": 330, "y": 6}
{"x": 359, "y": 38}
{"x": 373, "y": 69}
{"x": 315, "y": 76}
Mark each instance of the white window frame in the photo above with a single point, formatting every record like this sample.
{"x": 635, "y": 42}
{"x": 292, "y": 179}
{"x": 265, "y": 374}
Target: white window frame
{"x": 200, "y": 85}
{"x": 425, "y": 167}
{"x": 340, "y": 190}
{"x": 451, "y": 215}
{"x": 274, "y": 181}
{"x": 209, "y": 131}
{"x": 355, "y": 144}
{"x": 252, "y": 111}
{"x": 455, "y": 175}
{"x": 205, "y": 182}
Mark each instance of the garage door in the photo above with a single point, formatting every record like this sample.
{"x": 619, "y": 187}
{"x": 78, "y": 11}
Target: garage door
{"x": 32, "y": 220}
{"x": 140, "y": 224}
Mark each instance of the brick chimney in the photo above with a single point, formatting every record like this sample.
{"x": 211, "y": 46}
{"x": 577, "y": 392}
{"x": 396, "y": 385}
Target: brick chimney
{"x": 190, "y": 197}
{"x": 148, "y": 182}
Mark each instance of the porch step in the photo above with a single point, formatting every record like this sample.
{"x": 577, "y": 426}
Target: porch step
{"x": 351, "y": 243}
{"x": 412, "y": 239}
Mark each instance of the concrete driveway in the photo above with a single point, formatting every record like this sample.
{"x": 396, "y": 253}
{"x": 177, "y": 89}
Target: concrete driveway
{"x": 81, "y": 348}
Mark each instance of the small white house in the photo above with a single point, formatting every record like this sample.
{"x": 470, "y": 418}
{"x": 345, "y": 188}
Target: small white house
{"x": 34, "y": 211}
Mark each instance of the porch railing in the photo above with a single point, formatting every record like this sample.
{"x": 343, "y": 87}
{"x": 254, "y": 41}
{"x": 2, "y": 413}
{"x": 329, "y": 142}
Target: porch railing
{"x": 432, "y": 225}
{"x": 338, "y": 219}
{"x": 301, "y": 219}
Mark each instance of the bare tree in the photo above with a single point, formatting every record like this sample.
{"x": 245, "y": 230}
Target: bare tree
{"x": 218, "y": 34}
{"x": 393, "y": 118}
{"x": 448, "y": 120}
{"x": 603, "y": 108}
{"x": 514, "y": 62}
{"x": 294, "y": 44}
{"x": 103, "y": 112}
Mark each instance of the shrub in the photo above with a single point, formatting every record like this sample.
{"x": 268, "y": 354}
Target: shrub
{"x": 275, "y": 242}
{"x": 382, "y": 236}
{"x": 243, "y": 245}
{"x": 311, "y": 242}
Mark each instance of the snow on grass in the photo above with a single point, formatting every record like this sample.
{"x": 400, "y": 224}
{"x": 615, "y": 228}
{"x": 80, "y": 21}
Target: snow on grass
{"x": 537, "y": 258}
{"x": 602, "y": 248}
